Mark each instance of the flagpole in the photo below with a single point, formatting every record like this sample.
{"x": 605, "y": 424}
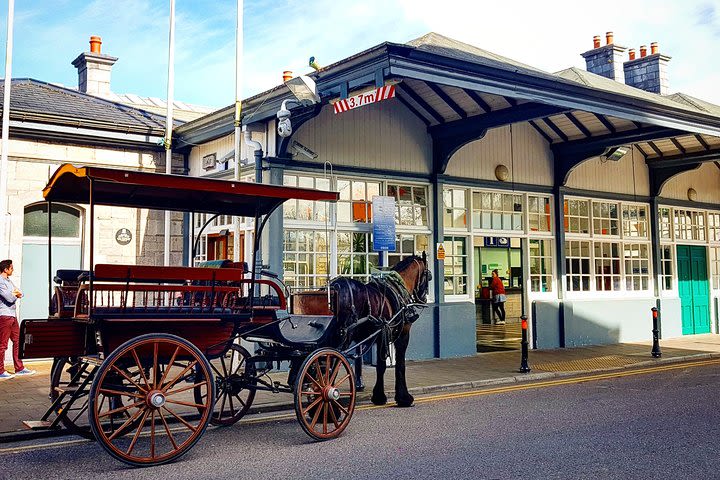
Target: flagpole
{"x": 238, "y": 115}
{"x": 169, "y": 123}
{"x": 4, "y": 145}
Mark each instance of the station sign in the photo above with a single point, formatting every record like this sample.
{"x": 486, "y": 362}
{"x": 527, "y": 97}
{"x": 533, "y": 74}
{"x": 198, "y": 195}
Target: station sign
{"x": 499, "y": 242}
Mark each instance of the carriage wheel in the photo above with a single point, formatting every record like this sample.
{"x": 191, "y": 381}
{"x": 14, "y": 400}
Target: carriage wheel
{"x": 325, "y": 394}
{"x": 155, "y": 377}
{"x": 63, "y": 378}
{"x": 234, "y": 382}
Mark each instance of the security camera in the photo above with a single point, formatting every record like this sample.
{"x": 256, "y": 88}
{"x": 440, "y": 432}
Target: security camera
{"x": 284, "y": 126}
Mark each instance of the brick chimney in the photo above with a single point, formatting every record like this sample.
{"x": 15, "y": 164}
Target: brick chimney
{"x": 605, "y": 60}
{"x": 94, "y": 69}
{"x": 649, "y": 72}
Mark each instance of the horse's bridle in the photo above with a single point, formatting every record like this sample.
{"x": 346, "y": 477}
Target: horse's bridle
{"x": 424, "y": 277}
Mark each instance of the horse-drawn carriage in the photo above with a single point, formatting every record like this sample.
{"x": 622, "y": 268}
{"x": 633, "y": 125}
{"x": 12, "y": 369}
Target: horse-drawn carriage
{"x": 145, "y": 357}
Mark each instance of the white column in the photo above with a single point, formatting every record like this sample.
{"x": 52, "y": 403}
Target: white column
{"x": 169, "y": 124}
{"x": 238, "y": 116}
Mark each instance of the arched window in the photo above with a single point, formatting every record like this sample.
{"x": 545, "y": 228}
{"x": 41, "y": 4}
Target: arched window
{"x": 65, "y": 221}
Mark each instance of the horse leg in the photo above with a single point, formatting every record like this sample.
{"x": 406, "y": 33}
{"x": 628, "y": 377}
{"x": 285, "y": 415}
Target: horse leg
{"x": 402, "y": 396}
{"x": 378, "y": 395}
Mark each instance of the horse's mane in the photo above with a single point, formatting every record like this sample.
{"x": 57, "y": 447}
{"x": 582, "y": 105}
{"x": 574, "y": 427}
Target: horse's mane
{"x": 405, "y": 262}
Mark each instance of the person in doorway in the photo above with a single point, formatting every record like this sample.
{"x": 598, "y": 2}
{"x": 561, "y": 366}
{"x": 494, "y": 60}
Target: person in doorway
{"x": 9, "y": 328}
{"x": 498, "y": 297}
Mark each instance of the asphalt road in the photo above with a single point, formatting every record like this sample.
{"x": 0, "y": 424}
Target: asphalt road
{"x": 657, "y": 425}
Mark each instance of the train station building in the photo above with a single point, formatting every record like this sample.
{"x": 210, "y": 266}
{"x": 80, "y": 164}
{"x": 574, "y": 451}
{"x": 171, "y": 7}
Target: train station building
{"x": 594, "y": 192}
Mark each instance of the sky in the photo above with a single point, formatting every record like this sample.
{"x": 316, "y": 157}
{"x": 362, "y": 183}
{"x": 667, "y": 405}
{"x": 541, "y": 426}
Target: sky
{"x": 283, "y": 34}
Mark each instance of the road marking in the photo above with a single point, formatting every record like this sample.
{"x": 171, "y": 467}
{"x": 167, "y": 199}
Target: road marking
{"x": 432, "y": 398}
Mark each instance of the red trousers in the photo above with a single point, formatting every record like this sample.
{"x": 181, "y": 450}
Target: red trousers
{"x": 10, "y": 329}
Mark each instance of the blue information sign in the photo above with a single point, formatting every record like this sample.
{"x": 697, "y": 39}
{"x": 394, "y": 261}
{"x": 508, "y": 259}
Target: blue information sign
{"x": 383, "y": 219}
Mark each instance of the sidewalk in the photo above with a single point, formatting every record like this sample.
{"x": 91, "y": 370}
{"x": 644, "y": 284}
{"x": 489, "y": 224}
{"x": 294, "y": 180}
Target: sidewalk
{"x": 27, "y": 398}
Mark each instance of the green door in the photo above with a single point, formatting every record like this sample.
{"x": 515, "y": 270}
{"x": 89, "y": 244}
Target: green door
{"x": 694, "y": 289}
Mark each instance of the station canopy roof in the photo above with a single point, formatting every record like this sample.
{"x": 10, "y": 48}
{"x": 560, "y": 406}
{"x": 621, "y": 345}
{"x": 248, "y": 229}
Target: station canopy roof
{"x": 127, "y": 188}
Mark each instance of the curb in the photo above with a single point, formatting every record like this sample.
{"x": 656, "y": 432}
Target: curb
{"x": 364, "y": 397}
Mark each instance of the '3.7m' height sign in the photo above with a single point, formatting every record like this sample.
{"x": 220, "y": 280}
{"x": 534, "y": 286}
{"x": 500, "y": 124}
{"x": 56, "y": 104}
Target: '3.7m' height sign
{"x": 365, "y": 98}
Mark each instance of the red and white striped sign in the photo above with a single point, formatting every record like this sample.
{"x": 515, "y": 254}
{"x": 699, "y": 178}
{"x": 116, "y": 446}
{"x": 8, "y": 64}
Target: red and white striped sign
{"x": 366, "y": 98}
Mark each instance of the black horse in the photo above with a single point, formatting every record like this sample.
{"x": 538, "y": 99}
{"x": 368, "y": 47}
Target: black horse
{"x": 381, "y": 305}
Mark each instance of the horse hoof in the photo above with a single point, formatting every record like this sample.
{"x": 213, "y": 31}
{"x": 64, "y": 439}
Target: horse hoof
{"x": 405, "y": 402}
{"x": 378, "y": 400}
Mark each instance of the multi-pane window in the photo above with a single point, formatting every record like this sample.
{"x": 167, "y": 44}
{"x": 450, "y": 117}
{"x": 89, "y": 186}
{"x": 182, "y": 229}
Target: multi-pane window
{"x": 605, "y": 218}
{"x": 665, "y": 219}
{"x": 577, "y": 265}
{"x": 455, "y": 208}
{"x": 635, "y": 221}
{"x": 306, "y": 209}
{"x": 355, "y": 203}
{"x": 607, "y": 266}
{"x": 305, "y": 258}
{"x": 715, "y": 267}
{"x": 666, "y": 260}
{"x": 577, "y": 216}
{"x": 497, "y": 211}
{"x": 714, "y": 226}
{"x": 355, "y": 256}
{"x": 407, "y": 244}
{"x": 637, "y": 266}
{"x": 411, "y": 204}
{"x": 541, "y": 265}
{"x": 538, "y": 209}
{"x": 456, "y": 276}
{"x": 689, "y": 225}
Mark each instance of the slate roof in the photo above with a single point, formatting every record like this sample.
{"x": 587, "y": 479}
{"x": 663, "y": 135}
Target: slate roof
{"x": 33, "y": 100}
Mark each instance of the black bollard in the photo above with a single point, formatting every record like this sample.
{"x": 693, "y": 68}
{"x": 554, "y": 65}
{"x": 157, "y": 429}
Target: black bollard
{"x": 524, "y": 368}
{"x": 656, "y": 353}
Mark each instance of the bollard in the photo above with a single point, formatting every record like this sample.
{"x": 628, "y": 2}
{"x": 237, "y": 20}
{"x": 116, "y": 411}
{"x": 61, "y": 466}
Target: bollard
{"x": 656, "y": 353}
{"x": 524, "y": 368}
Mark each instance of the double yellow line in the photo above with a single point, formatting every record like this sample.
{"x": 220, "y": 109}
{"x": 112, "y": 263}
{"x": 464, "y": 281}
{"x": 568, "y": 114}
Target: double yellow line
{"x": 446, "y": 396}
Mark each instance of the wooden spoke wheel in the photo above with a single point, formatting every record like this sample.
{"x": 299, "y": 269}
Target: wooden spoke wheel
{"x": 68, "y": 376}
{"x": 234, "y": 386}
{"x": 155, "y": 377}
{"x": 325, "y": 394}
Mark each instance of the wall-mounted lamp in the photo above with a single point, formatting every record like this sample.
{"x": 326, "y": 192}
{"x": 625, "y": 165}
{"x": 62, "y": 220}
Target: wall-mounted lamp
{"x": 305, "y": 92}
{"x": 502, "y": 173}
{"x": 224, "y": 232}
{"x": 614, "y": 154}
{"x": 691, "y": 194}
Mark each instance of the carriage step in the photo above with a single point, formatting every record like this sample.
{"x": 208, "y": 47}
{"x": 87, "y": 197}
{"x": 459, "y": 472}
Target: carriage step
{"x": 67, "y": 390}
{"x": 37, "y": 424}
{"x": 92, "y": 360}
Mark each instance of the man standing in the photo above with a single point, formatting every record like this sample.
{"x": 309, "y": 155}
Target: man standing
{"x": 9, "y": 328}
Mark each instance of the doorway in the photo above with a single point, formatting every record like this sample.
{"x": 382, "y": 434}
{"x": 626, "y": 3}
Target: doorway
{"x": 506, "y": 255}
{"x": 694, "y": 289}
{"x": 220, "y": 246}
{"x": 66, "y": 253}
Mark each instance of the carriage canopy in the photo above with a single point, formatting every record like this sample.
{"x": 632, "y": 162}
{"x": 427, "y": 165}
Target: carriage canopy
{"x": 125, "y": 188}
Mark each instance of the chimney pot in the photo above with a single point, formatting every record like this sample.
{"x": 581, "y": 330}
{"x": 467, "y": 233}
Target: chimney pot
{"x": 95, "y": 43}
{"x": 609, "y": 37}
{"x": 631, "y": 52}
{"x": 653, "y": 48}
{"x": 596, "y": 41}
{"x": 287, "y": 75}
{"x": 643, "y": 51}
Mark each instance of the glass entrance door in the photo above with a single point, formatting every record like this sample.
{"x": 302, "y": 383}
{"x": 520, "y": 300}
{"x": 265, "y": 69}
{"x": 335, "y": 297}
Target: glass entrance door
{"x": 504, "y": 254}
